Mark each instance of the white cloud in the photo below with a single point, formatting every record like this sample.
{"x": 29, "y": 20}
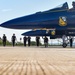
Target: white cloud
{"x": 6, "y": 10}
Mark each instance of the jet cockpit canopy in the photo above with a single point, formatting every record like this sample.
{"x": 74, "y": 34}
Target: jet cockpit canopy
{"x": 63, "y": 6}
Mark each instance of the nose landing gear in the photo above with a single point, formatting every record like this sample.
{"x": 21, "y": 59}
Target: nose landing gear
{"x": 65, "y": 40}
{"x": 64, "y": 45}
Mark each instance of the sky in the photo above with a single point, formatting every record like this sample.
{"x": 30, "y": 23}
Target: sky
{"x": 10, "y": 9}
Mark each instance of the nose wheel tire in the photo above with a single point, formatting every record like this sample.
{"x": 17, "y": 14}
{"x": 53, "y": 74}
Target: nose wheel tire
{"x": 64, "y": 45}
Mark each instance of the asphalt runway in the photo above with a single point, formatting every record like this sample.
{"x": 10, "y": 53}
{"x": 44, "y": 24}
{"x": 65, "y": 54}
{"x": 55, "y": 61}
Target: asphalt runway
{"x": 37, "y": 61}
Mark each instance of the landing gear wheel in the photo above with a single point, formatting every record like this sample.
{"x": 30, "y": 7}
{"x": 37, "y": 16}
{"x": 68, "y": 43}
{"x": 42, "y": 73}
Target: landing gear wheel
{"x": 64, "y": 45}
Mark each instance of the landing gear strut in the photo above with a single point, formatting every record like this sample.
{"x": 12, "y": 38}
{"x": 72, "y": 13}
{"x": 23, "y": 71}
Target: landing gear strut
{"x": 64, "y": 38}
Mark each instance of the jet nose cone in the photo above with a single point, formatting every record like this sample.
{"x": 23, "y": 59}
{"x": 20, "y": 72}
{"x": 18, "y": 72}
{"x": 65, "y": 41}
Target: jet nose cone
{"x": 3, "y": 25}
{"x": 7, "y": 24}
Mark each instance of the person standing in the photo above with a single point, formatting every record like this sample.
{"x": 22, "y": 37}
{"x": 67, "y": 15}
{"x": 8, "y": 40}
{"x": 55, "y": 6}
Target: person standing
{"x": 29, "y": 40}
{"x": 73, "y": 4}
{"x": 45, "y": 41}
{"x": 13, "y": 39}
{"x": 25, "y": 40}
{"x": 71, "y": 42}
{"x": 37, "y": 40}
{"x": 4, "y": 40}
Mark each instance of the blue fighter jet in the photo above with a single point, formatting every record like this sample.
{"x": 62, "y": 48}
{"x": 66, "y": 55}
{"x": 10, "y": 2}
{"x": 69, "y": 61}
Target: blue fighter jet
{"x": 51, "y": 33}
{"x": 60, "y": 19}
{"x": 57, "y": 18}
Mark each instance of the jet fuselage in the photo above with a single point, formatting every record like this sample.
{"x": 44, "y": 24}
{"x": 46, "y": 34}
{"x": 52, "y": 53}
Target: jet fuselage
{"x": 43, "y": 20}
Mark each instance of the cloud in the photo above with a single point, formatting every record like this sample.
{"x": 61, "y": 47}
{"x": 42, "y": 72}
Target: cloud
{"x": 6, "y": 10}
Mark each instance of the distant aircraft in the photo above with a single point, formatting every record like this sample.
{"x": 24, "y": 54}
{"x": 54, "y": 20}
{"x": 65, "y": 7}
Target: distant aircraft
{"x": 60, "y": 19}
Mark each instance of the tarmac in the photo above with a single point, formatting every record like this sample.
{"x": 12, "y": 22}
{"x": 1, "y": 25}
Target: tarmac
{"x": 37, "y": 61}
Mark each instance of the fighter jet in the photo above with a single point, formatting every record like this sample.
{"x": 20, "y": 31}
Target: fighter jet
{"x": 57, "y": 18}
{"x": 60, "y": 19}
{"x": 42, "y": 33}
{"x": 51, "y": 33}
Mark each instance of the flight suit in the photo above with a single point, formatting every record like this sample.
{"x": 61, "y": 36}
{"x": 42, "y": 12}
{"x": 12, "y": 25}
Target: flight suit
{"x": 37, "y": 40}
{"x": 13, "y": 40}
{"x": 71, "y": 42}
{"x": 46, "y": 41}
{"x": 29, "y": 41}
{"x": 4, "y": 40}
{"x": 24, "y": 39}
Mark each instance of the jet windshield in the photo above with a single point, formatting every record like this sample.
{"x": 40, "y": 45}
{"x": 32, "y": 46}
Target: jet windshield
{"x": 61, "y": 7}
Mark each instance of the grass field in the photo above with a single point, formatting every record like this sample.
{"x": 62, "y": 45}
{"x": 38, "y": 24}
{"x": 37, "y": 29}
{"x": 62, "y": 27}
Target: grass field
{"x": 37, "y": 61}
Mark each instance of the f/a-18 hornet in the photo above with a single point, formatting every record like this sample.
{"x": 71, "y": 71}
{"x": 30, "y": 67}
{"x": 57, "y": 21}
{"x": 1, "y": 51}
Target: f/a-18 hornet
{"x": 58, "y": 21}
